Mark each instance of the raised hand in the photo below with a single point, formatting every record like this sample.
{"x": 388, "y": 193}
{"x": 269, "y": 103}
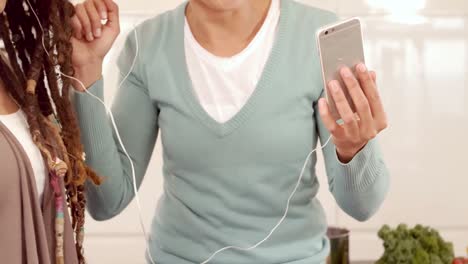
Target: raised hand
{"x": 96, "y": 26}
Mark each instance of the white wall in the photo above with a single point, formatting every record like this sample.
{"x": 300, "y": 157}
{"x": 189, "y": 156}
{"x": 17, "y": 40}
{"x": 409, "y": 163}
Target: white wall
{"x": 433, "y": 7}
{"x": 422, "y": 70}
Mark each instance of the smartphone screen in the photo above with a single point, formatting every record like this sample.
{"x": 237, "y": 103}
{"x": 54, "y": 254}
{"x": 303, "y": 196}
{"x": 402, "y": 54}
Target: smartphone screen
{"x": 340, "y": 45}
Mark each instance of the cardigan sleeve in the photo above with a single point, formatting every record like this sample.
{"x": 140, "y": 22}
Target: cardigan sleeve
{"x": 137, "y": 121}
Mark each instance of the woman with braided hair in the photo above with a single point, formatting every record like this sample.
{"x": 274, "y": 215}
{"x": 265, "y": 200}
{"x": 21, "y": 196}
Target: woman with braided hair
{"x": 41, "y": 157}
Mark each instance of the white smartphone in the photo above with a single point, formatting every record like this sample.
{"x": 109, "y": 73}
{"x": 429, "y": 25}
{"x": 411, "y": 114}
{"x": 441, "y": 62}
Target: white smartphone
{"x": 340, "y": 44}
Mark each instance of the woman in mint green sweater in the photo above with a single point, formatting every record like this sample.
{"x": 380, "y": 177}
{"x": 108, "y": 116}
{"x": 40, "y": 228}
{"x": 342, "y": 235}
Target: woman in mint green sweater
{"x": 234, "y": 90}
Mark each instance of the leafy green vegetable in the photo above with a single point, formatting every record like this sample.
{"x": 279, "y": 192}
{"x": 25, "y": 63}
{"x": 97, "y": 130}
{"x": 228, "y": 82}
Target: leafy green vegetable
{"x": 419, "y": 245}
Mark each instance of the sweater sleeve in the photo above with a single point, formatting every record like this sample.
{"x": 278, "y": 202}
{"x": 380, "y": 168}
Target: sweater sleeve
{"x": 136, "y": 119}
{"x": 360, "y": 186}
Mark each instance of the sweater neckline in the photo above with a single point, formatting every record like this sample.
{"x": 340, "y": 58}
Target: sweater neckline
{"x": 264, "y": 84}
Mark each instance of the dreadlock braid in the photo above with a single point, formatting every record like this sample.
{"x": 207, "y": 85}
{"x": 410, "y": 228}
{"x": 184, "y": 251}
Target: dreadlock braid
{"x": 71, "y": 130}
{"x": 35, "y": 84}
{"x": 23, "y": 39}
{"x": 10, "y": 48}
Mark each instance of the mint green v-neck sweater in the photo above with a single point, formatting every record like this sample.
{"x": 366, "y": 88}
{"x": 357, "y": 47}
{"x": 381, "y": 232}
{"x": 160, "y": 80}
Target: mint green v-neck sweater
{"x": 226, "y": 184}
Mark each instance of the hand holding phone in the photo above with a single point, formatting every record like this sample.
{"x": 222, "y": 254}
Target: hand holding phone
{"x": 351, "y": 91}
{"x": 340, "y": 45}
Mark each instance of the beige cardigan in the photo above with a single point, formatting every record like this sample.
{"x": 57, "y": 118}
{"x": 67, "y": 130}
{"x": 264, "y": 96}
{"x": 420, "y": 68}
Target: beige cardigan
{"x": 26, "y": 228}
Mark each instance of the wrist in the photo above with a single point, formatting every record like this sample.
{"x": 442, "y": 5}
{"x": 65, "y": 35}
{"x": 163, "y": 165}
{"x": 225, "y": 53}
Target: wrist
{"x": 345, "y": 155}
{"x": 87, "y": 75}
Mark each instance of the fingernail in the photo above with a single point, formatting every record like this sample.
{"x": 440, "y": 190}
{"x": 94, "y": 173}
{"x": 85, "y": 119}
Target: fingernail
{"x": 346, "y": 73}
{"x": 104, "y": 15}
{"x": 98, "y": 32}
{"x": 90, "y": 36}
{"x": 322, "y": 103}
{"x": 334, "y": 87}
{"x": 362, "y": 68}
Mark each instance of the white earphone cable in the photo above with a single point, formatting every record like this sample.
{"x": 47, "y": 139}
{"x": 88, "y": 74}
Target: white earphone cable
{"x": 248, "y": 248}
{"x": 135, "y": 188}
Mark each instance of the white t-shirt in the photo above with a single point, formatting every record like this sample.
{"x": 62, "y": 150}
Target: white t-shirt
{"x": 223, "y": 85}
{"x": 18, "y": 125}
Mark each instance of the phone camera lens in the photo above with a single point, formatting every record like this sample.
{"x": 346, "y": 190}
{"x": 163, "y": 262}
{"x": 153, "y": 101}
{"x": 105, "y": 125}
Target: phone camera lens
{"x": 326, "y": 32}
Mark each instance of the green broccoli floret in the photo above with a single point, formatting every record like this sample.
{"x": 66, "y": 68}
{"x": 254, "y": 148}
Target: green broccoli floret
{"x": 436, "y": 259}
{"x": 419, "y": 245}
{"x": 420, "y": 256}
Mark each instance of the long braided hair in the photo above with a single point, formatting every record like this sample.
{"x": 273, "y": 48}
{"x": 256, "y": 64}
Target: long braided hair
{"x": 32, "y": 79}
